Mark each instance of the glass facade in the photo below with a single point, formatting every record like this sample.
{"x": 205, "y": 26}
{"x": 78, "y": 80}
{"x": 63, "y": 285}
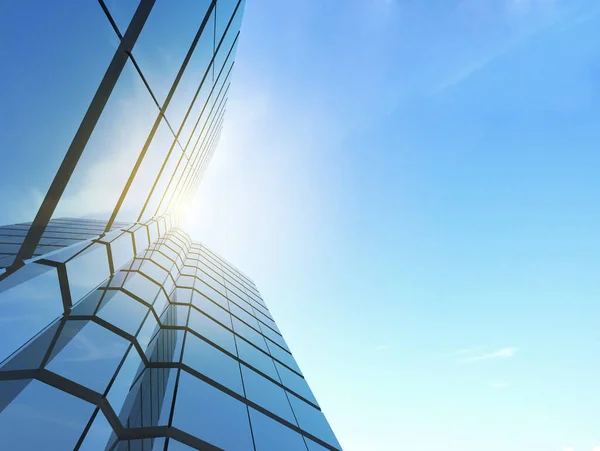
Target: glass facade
{"x": 118, "y": 332}
{"x": 143, "y": 339}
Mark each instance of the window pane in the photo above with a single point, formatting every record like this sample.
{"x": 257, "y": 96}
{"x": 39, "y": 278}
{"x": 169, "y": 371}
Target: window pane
{"x": 54, "y": 419}
{"x": 270, "y": 435}
{"x": 295, "y": 383}
{"x": 256, "y": 358}
{"x": 161, "y": 47}
{"x": 90, "y": 355}
{"x": 313, "y": 421}
{"x": 213, "y": 363}
{"x": 72, "y": 47}
{"x": 212, "y": 330}
{"x": 29, "y": 306}
{"x": 211, "y": 415}
{"x": 113, "y": 148}
{"x": 266, "y": 394}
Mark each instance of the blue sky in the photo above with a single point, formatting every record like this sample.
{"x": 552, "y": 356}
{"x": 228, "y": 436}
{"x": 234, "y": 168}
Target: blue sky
{"x": 413, "y": 186}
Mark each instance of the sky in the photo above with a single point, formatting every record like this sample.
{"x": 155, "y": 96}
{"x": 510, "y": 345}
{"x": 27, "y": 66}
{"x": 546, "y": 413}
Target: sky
{"x": 413, "y": 187}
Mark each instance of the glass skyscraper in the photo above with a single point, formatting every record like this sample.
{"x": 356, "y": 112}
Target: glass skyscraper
{"x": 117, "y": 331}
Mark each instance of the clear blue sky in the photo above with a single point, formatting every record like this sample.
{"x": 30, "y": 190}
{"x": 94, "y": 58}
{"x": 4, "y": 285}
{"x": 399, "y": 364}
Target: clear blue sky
{"x": 414, "y": 187}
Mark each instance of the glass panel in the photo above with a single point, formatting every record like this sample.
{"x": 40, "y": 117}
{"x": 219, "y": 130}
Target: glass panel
{"x": 255, "y": 357}
{"x": 210, "y": 308}
{"x": 98, "y": 435}
{"x": 185, "y": 281}
{"x": 249, "y": 334}
{"x": 212, "y": 330}
{"x": 295, "y": 383}
{"x": 270, "y": 435}
{"x": 122, "y": 11}
{"x": 284, "y": 357}
{"x": 274, "y": 337}
{"x": 72, "y": 47}
{"x": 146, "y": 175}
{"x": 113, "y": 148}
{"x": 243, "y": 315}
{"x": 266, "y": 394}
{"x": 30, "y": 300}
{"x": 211, "y": 415}
{"x": 122, "y": 250}
{"x": 313, "y": 446}
{"x": 211, "y": 362}
{"x": 161, "y": 47}
{"x": 119, "y": 390}
{"x": 154, "y": 271}
{"x": 142, "y": 287}
{"x": 313, "y": 421}
{"x": 124, "y": 312}
{"x": 90, "y": 355}
{"x": 56, "y": 418}
{"x": 211, "y": 294}
{"x": 87, "y": 270}
{"x": 190, "y": 82}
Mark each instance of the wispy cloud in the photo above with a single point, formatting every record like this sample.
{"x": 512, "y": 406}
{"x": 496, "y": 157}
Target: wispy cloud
{"x": 504, "y": 353}
{"x": 465, "y": 351}
{"x": 499, "y": 385}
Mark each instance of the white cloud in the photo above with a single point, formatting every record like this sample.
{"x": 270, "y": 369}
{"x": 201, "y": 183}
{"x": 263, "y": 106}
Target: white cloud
{"x": 568, "y": 448}
{"x": 503, "y": 353}
{"x": 499, "y": 385}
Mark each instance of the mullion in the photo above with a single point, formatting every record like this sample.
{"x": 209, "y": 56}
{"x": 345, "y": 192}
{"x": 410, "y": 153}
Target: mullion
{"x": 160, "y": 116}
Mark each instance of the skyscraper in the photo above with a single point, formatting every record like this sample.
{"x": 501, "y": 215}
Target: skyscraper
{"x": 118, "y": 331}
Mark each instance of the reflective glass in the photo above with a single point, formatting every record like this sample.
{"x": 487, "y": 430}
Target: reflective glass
{"x": 142, "y": 287}
{"x": 314, "y": 446}
{"x": 119, "y": 390}
{"x": 249, "y": 334}
{"x": 212, "y": 415}
{"x": 313, "y": 421}
{"x": 57, "y": 419}
{"x": 208, "y": 360}
{"x": 72, "y": 47}
{"x": 210, "y": 308}
{"x": 113, "y": 148}
{"x": 270, "y": 435}
{"x": 123, "y": 312}
{"x": 147, "y": 173}
{"x": 266, "y": 394}
{"x": 122, "y": 250}
{"x": 185, "y": 281}
{"x": 140, "y": 237}
{"x": 98, "y": 435}
{"x": 154, "y": 271}
{"x": 212, "y": 294}
{"x": 149, "y": 328}
{"x": 278, "y": 339}
{"x": 295, "y": 383}
{"x": 212, "y": 330}
{"x": 90, "y": 356}
{"x": 285, "y": 357}
{"x": 122, "y": 11}
{"x": 256, "y": 358}
{"x": 87, "y": 270}
{"x": 243, "y": 315}
{"x": 30, "y": 300}
{"x": 161, "y": 47}
{"x": 193, "y": 75}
